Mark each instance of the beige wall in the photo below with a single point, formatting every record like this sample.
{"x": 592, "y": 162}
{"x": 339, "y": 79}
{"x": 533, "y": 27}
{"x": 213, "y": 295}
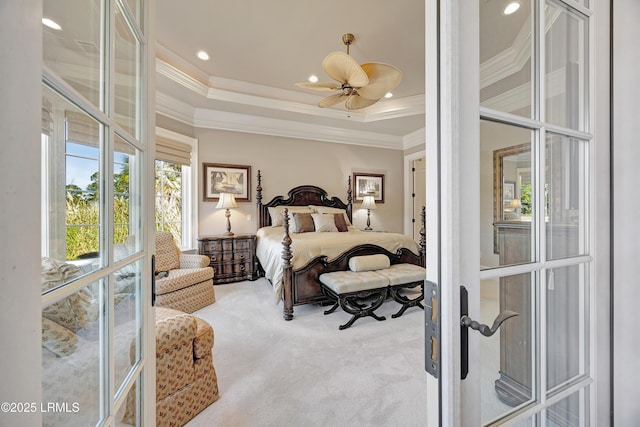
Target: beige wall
{"x": 286, "y": 163}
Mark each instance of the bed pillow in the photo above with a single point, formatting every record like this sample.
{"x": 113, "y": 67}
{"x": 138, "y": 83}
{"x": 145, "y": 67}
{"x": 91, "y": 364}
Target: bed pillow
{"x": 369, "y": 262}
{"x": 328, "y": 209}
{"x": 276, "y": 213}
{"x": 341, "y": 223}
{"x": 301, "y": 223}
{"x": 324, "y": 222}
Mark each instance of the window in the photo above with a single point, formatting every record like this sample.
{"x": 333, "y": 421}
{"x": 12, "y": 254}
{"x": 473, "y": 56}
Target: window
{"x": 169, "y": 197}
{"x": 175, "y": 191}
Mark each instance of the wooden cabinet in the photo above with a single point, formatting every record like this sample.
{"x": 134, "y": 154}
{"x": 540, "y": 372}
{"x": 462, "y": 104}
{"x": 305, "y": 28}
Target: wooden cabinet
{"x": 233, "y": 258}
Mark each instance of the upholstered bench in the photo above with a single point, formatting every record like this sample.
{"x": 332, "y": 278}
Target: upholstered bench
{"x": 402, "y": 277}
{"x": 350, "y": 289}
{"x": 370, "y": 279}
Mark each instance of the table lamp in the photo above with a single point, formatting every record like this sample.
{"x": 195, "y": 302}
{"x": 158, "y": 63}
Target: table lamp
{"x": 227, "y": 201}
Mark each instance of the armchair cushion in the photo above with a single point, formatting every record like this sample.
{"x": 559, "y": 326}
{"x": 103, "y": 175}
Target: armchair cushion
{"x": 182, "y": 278}
{"x": 58, "y": 339}
{"x": 194, "y": 261}
{"x": 167, "y": 253}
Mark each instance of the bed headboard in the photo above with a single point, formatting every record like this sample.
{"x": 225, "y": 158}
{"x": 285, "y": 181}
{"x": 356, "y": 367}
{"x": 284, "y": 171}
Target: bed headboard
{"x": 302, "y": 195}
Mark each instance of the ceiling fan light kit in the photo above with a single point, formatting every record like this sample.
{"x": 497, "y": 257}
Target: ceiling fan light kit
{"x": 359, "y": 85}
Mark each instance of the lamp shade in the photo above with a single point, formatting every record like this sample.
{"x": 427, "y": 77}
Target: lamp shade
{"x": 368, "y": 202}
{"x": 515, "y": 203}
{"x": 227, "y": 200}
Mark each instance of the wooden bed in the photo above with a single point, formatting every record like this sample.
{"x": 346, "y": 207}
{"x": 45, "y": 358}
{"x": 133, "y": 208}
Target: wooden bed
{"x": 301, "y": 285}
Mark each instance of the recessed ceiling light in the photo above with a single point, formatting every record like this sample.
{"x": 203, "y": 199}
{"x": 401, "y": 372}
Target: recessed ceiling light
{"x": 511, "y": 7}
{"x": 313, "y": 78}
{"x": 51, "y": 24}
{"x": 203, "y": 55}
{"x": 388, "y": 95}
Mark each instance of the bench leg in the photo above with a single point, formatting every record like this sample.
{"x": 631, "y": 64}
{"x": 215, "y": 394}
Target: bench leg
{"x": 333, "y": 308}
{"x": 352, "y": 303}
{"x": 406, "y": 303}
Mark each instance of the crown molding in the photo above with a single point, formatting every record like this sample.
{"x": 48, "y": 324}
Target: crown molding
{"x": 174, "y": 109}
{"x": 414, "y": 139}
{"x": 516, "y": 56}
{"x": 235, "y": 122}
{"x": 223, "y": 120}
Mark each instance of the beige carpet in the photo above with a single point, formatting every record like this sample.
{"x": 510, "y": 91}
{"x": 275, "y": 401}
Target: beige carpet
{"x": 308, "y": 373}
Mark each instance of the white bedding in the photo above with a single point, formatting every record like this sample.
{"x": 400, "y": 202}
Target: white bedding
{"x": 307, "y": 246}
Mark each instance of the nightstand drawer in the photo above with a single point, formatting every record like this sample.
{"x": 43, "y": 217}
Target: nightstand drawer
{"x": 242, "y": 255}
{"x": 243, "y": 267}
{"x": 211, "y": 247}
{"x": 243, "y": 244}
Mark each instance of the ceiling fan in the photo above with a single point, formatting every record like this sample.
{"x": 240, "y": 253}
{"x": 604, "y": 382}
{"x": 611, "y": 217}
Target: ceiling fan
{"x": 359, "y": 85}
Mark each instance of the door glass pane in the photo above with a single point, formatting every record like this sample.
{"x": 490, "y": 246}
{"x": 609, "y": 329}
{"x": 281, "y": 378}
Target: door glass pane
{"x": 566, "y": 184}
{"x": 71, "y": 188}
{"x": 127, "y": 345}
{"x": 135, "y": 6}
{"x": 71, "y": 362}
{"x": 567, "y": 324}
{"x": 507, "y": 195}
{"x": 506, "y": 369}
{"x": 130, "y": 412}
{"x": 127, "y": 207}
{"x": 505, "y": 58}
{"x": 566, "y": 73}
{"x": 127, "y": 82}
{"x": 571, "y": 411}
{"x": 72, "y": 49}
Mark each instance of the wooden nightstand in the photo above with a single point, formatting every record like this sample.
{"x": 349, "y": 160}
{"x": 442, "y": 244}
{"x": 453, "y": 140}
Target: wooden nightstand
{"x": 233, "y": 258}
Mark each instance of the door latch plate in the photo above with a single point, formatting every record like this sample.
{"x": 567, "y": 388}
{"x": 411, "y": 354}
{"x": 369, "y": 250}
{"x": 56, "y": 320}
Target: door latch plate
{"x": 432, "y": 328}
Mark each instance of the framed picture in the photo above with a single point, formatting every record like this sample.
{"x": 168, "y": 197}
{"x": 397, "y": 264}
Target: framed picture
{"x": 221, "y": 178}
{"x": 508, "y": 193}
{"x": 368, "y": 184}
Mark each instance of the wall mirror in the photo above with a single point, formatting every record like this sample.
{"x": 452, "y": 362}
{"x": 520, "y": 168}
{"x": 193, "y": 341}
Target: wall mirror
{"x": 512, "y": 186}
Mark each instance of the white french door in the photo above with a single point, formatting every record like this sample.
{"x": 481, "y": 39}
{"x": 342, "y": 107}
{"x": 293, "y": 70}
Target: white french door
{"x": 98, "y": 339}
{"x": 512, "y": 193}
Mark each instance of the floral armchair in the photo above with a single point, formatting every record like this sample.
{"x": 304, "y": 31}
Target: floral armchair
{"x": 183, "y": 281}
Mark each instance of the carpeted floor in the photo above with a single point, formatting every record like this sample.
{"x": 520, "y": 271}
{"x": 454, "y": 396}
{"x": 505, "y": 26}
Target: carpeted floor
{"x": 306, "y": 372}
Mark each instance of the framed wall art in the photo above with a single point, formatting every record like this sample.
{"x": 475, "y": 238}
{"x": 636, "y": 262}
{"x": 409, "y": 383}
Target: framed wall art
{"x": 368, "y": 184}
{"x": 222, "y": 178}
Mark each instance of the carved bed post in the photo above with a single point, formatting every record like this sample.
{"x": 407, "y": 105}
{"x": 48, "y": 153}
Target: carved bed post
{"x": 259, "y": 198}
{"x": 423, "y": 237}
{"x": 287, "y": 311}
{"x": 349, "y": 200}
{"x": 259, "y": 188}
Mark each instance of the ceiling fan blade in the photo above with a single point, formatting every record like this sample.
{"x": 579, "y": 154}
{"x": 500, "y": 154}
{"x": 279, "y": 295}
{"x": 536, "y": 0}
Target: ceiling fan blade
{"x": 356, "y": 102}
{"x": 323, "y": 87}
{"x": 331, "y": 100}
{"x": 344, "y": 69}
{"x": 382, "y": 79}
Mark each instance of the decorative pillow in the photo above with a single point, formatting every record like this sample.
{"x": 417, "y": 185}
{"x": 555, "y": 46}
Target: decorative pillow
{"x": 75, "y": 312}
{"x": 324, "y": 222}
{"x": 341, "y": 223}
{"x": 328, "y": 209}
{"x": 301, "y": 223}
{"x": 369, "y": 262}
{"x": 167, "y": 255}
{"x": 276, "y": 213}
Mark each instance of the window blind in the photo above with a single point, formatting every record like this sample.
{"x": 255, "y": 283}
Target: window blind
{"x": 173, "y": 151}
